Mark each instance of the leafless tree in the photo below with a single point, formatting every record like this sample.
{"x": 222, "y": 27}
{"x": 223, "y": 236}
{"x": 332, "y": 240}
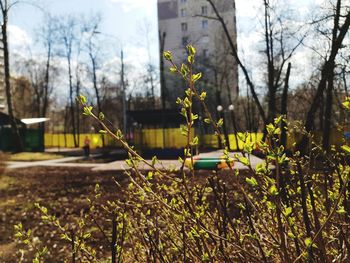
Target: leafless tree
{"x": 151, "y": 75}
{"x": 91, "y": 28}
{"x": 67, "y": 29}
{"x": 280, "y": 44}
{"x": 341, "y": 23}
{"x": 234, "y": 53}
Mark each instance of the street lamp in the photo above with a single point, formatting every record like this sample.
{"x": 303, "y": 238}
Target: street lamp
{"x": 231, "y": 108}
{"x": 221, "y": 111}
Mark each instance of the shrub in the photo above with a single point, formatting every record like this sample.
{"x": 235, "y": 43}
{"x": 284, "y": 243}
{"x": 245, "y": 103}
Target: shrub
{"x": 286, "y": 209}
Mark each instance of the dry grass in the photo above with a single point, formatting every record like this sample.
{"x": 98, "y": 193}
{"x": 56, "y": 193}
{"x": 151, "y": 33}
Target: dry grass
{"x": 3, "y": 158}
{"x": 32, "y": 157}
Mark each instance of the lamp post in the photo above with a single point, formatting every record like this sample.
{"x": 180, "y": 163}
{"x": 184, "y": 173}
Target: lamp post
{"x": 221, "y": 111}
{"x": 231, "y": 108}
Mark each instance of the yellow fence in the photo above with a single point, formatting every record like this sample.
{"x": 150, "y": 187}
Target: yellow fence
{"x": 61, "y": 140}
{"x": 172, "y": 138}
{"x": 211, "y": 141}
{"x": 159, "y": 138}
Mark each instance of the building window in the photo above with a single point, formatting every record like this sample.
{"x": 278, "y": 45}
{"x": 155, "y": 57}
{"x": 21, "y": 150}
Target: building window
{"x": 204, "y": 24}
{"x": 184, "y": 27}
{"x": 205, "y": 39}
{"x": 204, "y": 10}
{"x": 185, "y": 41}
{"x": 183, "y": 12}
{"x": 183, "y": 1}
{"x": 205, "y": 53}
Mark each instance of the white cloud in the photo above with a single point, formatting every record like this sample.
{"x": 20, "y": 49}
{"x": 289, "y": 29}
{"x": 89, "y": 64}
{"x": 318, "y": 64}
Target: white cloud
{"x": 247, "y": 8}
{"x": 19, "y": 39}
{"x": 130, "y": 5}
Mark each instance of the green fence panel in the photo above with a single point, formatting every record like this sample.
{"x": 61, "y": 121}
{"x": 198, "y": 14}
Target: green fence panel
{"x": 32, "y": 140}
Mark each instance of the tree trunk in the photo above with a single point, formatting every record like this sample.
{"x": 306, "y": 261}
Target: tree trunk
{"x": 71, "y": 100}
{"x": 16, "y": 138}
{"x": 328, "y": 113}
{"x": 77, "y": 90}
{"x": 97, "y": 93}
{"x": 284, "y": 107}
{"x": 162, "y": 37}
{"x": 45, "y": 95}
{"x": 330, "y": 86}
{"x": 270, "y": 66}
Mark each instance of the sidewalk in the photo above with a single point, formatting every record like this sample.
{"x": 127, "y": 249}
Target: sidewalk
{"x": 62, "y": 162}
{"x": 121, "y": 165}
{"x": 175, "y": 164}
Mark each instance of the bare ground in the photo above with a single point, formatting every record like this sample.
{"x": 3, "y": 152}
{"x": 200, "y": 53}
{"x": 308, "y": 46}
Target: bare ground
{"x": 63, "y": 191}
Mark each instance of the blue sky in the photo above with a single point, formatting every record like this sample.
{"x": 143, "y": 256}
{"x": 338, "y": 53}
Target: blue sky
{"x": 123, "y": 19}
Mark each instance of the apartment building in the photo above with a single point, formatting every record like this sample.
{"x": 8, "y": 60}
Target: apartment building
{"x": 192, "y": 21}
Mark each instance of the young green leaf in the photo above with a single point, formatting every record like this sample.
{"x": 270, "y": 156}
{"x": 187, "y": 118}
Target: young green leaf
{"x": 346, "y": 149}
{"x": 167, "y": 55}
{"x": 273, "y": 190}
{"x": 244, "y": 160}
{"x": 184, "y": 70}
{"x": 87, "y": 110}
{"x": 191, "y": 50}
{"x": 196, "y": 77}
{"x": 252, "y": 181}
{"x": 207, "y": 120}
{"x": 82, "y": 99}
{"x": 220, "y": 122}
{"x": 101, "y": 116}
{"x": 287, "y": 211}
{"x": 203, "y": 95}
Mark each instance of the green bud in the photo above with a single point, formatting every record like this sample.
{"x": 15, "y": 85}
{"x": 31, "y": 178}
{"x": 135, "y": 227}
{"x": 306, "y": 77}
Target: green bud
{"x": 167, "y": 55}
{"x": 191, "y": 50}
{"x": 101, "y": 116}
{"x": 82, "y": 99}
{"x": 196, "y": 77}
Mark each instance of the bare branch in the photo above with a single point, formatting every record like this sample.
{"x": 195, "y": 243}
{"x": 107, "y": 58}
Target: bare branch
{"x": 207, "y": 17}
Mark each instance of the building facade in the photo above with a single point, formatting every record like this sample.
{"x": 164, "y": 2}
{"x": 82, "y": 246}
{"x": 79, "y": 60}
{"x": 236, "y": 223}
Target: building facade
{"x": 183, "y": 22}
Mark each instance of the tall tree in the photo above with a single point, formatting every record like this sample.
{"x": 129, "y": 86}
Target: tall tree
{"x": 67, "y": 28}
{"x": 92, "y": 29}
{"x": 234, "y": 53}
{"x": 150, "y": 76}
{"x": 5, "y": 6}
{"x": 280, "y": 44}
{"x": 43, "y": 93}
